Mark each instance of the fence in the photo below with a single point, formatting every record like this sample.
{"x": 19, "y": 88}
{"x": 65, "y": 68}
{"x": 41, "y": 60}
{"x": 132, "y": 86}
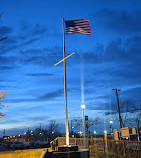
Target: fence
{"x": 100, "y": 147}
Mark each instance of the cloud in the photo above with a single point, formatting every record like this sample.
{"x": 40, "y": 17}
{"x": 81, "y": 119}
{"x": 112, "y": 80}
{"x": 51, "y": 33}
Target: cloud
{"x": 52, "y": 95}
{"x": 5, "y": 30}
{"x": 119, "y": 21}
{"x": 6, "y": 68}
{"x": 27, "y": 35}
{"x": 133, "y": 93}
{"x": 39, "y": 74}
{"x": 28, "y": 30}
{"x": 41, "y": 98}
{"x": 118, "y": 51}
{"x": 110, "y": 113}
{"x": 43, "y": 57}
{"x": 7, "y": 61}
{"x": 98, "y": 106}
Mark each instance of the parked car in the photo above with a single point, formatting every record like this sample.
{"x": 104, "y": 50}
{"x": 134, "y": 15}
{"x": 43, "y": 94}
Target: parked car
{"x": 17, "y": 145}
{"x": 7, "y": 144}
{"x": 32, "y": 144}
{"x": 1, "y": 144}
{"x": 26, "y": 145}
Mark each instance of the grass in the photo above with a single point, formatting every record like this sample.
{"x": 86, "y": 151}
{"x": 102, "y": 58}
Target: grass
{"x": 29, "y": 153}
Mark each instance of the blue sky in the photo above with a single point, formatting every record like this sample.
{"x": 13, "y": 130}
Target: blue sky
{"x": 110, "y": 58}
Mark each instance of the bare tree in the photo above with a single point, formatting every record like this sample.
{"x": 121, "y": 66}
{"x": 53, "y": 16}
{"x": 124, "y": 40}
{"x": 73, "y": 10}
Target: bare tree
{"x": 53, "y": 129}
{"x": 130, "y": 112}
{"x": 53, "y": 126}
{"x": 135, "y": 113}
{"x": 89, "y": 123}
{"x": 2, "y": 95}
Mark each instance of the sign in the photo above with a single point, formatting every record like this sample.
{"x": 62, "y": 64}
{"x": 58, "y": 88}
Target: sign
{"x": 86, "y": 118}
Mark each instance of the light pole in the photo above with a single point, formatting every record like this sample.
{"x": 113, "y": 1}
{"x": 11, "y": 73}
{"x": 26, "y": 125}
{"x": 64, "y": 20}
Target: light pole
{"x": 83, "y": 118}
{"x": 111, "y": 126}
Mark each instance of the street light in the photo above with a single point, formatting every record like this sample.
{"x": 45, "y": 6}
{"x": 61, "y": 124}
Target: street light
{"x": 82, "y": 106}
{"x": 105, "y": 132}
{"x": 111, "y": 122}
{"x": 83, "y": 117}
{"x": 94, "y": 132}
{"x": 111, "y": 126}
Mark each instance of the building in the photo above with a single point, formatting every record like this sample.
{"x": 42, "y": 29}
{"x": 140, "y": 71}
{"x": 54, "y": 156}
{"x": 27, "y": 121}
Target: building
{"x": 126, "y": 133}
{"x": 16, "y": 138}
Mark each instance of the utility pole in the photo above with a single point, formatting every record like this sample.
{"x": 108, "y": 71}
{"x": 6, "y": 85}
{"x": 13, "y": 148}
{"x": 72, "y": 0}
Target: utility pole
{"x": 28, "y": 135}
{"x": 4, "y": 132}
{"x": 120, "y": 119}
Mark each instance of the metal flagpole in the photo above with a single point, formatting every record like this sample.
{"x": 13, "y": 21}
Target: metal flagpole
{"x": 65, "y": 90}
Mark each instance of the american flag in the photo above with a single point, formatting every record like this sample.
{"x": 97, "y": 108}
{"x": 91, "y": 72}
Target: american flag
{"x": 78, "y": 26}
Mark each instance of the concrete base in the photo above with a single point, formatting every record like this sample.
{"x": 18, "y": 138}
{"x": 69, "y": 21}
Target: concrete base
{"x": 66, "y": 148}
{"x": 83, "y": 153}
{"x": 70, "y": 151}
{"x": 72, "y": 154}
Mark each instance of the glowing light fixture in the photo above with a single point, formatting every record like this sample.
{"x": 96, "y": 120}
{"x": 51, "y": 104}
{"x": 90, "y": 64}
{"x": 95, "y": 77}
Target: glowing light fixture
{"x": 111, "y": 122}
{"x": 82, "y": 106}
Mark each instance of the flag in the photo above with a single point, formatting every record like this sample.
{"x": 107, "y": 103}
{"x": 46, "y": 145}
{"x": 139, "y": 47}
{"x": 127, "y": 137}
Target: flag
{"x": 78, "y": 26}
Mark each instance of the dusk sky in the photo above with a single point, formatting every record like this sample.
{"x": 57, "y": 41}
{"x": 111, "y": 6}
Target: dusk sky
{"x": 109, "y": 58}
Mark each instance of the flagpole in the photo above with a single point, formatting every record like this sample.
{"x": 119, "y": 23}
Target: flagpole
{"x": 65, "y": 90}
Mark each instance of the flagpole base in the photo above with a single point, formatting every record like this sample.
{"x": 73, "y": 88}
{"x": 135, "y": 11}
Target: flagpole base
{"x": 68, "y": 151}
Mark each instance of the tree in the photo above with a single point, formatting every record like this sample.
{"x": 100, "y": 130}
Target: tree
{"x": 53, "y": 129}
{"x": 89, "y": 123}
{"x": 2, "y": 95}
{"x": 130, "y": 112}
{"x": 135, "y": 114}
{"x": 92, "y": 123}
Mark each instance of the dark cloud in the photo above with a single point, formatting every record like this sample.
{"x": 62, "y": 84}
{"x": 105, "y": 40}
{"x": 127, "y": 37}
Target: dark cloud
{"x": 44, "y": 97}
{"x": 98, "y": 106}
{"x": 52, "y": 95}
{"x": 125, "y": 52}
{"x": 110, "y": 113}
{"x": 119, "y": 21}
{"x": 28, "y": 34}
{"x": 5, "y": 30}
{"x": 7, "y": 61}
{"x": 6, "y": 68}
{"x": 39, "y": 74}
{"x": 12, "y": 45}
{"x": 133, "y": 93}
{"x": 44, "y": 57}
{"x": 30, "y": 41}
{"x": 32, "y": 30}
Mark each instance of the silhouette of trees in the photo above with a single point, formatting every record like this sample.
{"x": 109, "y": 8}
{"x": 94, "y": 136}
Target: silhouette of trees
{"x": 52, "y": 131}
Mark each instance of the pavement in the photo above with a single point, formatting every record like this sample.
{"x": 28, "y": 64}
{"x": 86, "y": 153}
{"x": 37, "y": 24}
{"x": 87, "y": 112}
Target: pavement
{"x": 6, "y": 154}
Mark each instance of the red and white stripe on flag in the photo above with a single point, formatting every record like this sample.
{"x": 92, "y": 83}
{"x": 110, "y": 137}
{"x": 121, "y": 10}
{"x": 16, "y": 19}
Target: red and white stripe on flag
{"x": 78, "y": 26}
